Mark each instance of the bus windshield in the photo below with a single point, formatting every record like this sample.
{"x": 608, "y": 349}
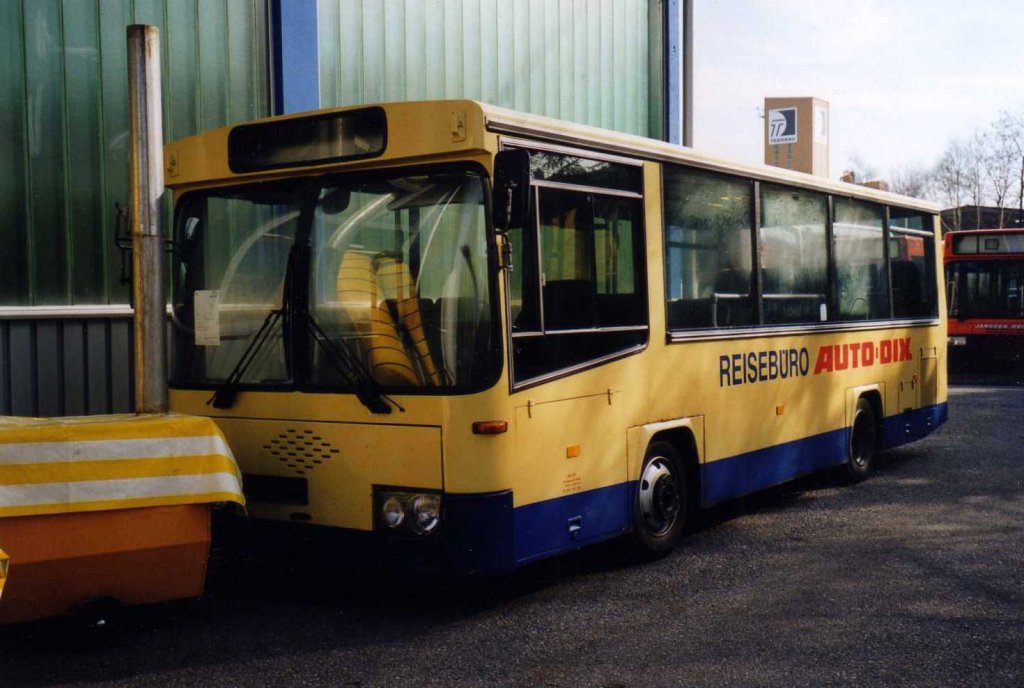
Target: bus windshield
{"x": 275, "y": 281}
{"x": 986, "y": 288}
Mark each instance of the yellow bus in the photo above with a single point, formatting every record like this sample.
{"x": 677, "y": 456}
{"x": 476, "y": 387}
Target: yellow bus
{"x": 475, "y": 338}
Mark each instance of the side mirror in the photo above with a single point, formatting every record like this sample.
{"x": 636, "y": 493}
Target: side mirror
{"x": 511, "y": 189}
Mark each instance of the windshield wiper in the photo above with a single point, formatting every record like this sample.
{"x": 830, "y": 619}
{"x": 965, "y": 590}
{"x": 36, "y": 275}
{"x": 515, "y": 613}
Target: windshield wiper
{"x": 295, "y": 318}
{"x": 226, "y": 393}
{"x": 366, "y": 389}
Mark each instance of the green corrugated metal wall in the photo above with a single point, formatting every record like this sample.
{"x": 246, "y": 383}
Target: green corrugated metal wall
{"x": 64, "y": 111}
{"x": 64, "y": 118}
{"x": 587, "y": 61}
{"x": 64, "y": 121}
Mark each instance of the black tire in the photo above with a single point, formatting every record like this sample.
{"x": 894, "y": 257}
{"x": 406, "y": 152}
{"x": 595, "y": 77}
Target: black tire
{"x": 660, "y": 504}
{"x": 862, "y": 449}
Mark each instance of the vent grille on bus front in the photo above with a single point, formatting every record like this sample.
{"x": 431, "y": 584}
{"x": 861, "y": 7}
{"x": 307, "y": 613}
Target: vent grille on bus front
{"x": 300, "y": 450}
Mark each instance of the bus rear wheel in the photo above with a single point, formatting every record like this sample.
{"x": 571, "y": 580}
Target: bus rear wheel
{"x": 660, "y": 508}
{"x": 862, "y": 450}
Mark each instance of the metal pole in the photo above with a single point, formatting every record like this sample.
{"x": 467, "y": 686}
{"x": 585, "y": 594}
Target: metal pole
{"x": 688, "y": 73}
{"x": 147, "y": 218}
{"x": 674, "y": 67}
{"x": 678, "y": 72}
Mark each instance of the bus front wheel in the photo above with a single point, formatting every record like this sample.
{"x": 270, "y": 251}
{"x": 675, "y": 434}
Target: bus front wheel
{"x": 660, "y": 507}
{"x": 862, "y": 450}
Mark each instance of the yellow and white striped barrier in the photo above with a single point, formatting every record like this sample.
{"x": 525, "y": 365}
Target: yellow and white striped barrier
{"x": 99, "y": 463}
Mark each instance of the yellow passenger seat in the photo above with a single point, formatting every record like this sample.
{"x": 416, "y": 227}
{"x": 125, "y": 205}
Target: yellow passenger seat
{"x": 397, "y": 284}
{"x": 381, "y": 346}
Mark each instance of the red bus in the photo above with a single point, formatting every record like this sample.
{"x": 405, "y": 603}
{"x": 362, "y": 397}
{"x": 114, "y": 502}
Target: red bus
{"x": 985, "y": 293}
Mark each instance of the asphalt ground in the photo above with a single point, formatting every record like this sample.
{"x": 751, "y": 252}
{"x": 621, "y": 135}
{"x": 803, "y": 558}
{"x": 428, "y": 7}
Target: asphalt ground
{"x": 913, "y": 578}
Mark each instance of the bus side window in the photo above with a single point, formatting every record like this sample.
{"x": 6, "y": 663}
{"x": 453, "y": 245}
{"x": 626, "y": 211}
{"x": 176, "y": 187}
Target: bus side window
{"x": 912, "y": 266}
{"x": 567, "y": 260}
{"x": 577, "y": 270}
{"x": 793, "y": 255}
{"x": 859, "y": 249}
{"x": 906, "y": 287}
{"x": 708, "y": 252}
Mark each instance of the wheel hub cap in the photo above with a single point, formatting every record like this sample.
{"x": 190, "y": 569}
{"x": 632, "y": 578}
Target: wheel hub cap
{"x": 659, "y": 496}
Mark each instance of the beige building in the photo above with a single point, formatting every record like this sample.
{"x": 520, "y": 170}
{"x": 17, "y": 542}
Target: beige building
{"x": 796, "y": 134}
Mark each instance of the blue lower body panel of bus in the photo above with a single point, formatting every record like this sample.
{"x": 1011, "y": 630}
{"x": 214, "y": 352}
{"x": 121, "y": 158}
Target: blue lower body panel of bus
{"x": 558, "y": 525}
{"x": 912, "y": 425}
{"x": 570, "y": 522}
{"x": 763, "y": 468}
{"x": 485, "y": 533}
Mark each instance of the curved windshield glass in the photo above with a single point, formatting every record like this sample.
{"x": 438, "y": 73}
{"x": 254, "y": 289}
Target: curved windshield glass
{"x": 400, "y": 273}
{"x": 986, "y": 288}
{"x": 336, "y": 282}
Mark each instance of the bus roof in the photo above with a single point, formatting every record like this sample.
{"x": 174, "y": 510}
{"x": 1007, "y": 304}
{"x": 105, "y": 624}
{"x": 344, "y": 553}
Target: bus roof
{"x": 984, "y": 243}
{"x": 461, "y": 128}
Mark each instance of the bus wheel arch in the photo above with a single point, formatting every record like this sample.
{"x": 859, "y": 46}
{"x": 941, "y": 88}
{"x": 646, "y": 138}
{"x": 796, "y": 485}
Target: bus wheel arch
{"x": 864, "y": 440}
{"x": 874, "y": 397}
{"x": 666, "y": 492}
{"x": 685, "y": 443}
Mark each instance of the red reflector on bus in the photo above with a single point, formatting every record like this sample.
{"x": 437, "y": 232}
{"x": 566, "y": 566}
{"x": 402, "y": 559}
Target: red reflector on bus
{"x": 490, "y": 427}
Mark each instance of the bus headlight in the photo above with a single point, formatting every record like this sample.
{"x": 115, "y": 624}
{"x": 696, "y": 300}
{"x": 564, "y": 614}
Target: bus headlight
{"x": 957, "y": 340}
{"x": 393, "y": 512}
{"x": 426, "y": 513}
{"x": 409, "y": 511}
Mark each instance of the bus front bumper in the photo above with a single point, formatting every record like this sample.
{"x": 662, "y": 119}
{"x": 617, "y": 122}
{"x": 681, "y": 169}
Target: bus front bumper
{"x": 476, "y": 537}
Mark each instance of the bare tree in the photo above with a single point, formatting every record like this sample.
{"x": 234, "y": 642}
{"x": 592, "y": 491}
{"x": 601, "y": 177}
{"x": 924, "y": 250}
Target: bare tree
{"x": 911, "y": 181}
{"x": 974, "y": 154}
{"x": 986, "y": 168}
{"x": 951, "y": 179}
{"x": 857, "y": 171}
{"x": 1006, "y": 161}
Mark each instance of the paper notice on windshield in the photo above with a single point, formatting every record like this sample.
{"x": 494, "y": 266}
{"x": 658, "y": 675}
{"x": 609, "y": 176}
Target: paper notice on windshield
{"x": 206, "y": 307}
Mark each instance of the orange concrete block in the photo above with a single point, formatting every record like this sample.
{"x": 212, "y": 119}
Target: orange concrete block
{"x": 135, "y": 556}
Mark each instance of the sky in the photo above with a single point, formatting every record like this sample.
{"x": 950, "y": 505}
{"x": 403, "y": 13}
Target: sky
{"x": 903, "y": 78}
